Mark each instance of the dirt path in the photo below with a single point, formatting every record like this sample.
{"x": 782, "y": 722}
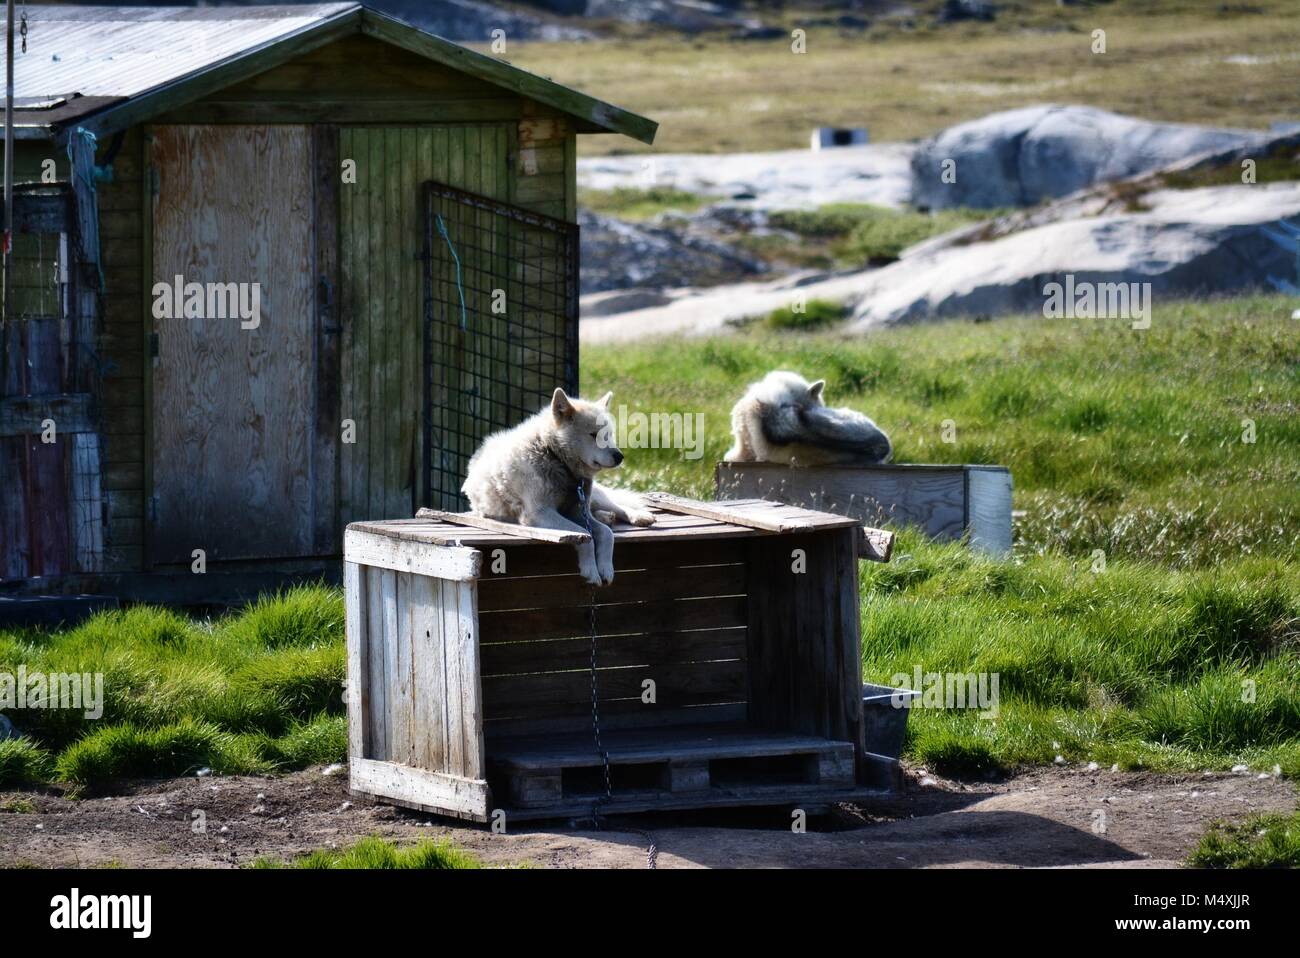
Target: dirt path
{"x": 1041, "y": 818}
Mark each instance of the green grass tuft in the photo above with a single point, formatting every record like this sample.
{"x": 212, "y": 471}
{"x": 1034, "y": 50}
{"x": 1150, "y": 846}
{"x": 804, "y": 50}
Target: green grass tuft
{"x": 640, "y": 203}
{"x": 375, "y": 852}
{"x": 1262, "y": 841}
{"x": 814, "y": 314}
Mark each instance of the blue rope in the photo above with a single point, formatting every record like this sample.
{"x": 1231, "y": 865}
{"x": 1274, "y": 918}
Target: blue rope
{"x": 442, "y": 231}
{"x": 91, "y": 143}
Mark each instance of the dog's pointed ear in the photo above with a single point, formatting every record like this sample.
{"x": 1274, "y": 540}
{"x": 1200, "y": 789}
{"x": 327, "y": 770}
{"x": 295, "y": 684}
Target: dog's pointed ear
{"x": 561, "y": 404}
{"x": 815, "y": 390}
{"x": 603, "y": 402}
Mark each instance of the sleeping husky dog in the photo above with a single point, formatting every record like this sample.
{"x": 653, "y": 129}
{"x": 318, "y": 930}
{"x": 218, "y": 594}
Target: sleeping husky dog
{"x": 534, "y": 473}
{"x": 782, "y": 419}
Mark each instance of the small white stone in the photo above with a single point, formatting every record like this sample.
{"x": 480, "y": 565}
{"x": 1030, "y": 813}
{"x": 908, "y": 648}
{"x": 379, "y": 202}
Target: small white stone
{"x": 203, "y": 772}
{"x": 1092, "y": 766}
{"x": 1059, "y": 760}
{"x": 333, "y": 769}
{"x": 1277, "y": 771}
{"x": 1240, "y": 768}
{"x": 927, "y": 780}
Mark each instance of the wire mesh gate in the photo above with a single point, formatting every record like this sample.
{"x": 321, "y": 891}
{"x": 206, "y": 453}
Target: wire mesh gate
{"x": 501, "y": 325}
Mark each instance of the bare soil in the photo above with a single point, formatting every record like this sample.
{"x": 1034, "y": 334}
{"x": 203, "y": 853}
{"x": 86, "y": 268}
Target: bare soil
{"x": 1054, "y": 817}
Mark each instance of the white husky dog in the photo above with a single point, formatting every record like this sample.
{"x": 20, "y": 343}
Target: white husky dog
{"x": 782, "y": 419}
{"x": 541, "y": 473}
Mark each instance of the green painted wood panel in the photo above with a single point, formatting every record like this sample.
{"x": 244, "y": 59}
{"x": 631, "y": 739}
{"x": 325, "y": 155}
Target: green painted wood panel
{"x": 382, "y": 295}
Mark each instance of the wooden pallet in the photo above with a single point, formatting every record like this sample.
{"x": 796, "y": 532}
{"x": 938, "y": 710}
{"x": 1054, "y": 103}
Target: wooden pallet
{"x": 542, "y": 776}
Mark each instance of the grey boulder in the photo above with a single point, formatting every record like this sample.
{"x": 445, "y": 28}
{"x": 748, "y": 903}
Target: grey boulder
{"x": 1019, "y": 157}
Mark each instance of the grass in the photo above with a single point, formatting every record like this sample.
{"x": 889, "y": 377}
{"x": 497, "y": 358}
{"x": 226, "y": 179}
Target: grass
{"x": 854, "y": 235}
{"x": 375, "y": 852}
{"x": 1178, "y": 648}
{"x": 814, "y": 314}
{"x": 1121, "y": 441}
{"x": 1174, "y": 60}
{"x": 640, "y": 203}
{"x": 1263, "y": 841}
{"x": 253, "y": 692}
{"x": 1127, "y": 441}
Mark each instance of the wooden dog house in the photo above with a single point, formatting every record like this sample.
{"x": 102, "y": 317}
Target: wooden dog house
{"x": 727, "y": 663}
{"x": 404, "y": 211}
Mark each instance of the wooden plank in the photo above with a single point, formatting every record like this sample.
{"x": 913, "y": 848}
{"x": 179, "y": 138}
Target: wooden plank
{"x": 360, "y": 109}
{"x": 633, "y": 746}
{"x": 72, "y": 413}
{"x": 85, "y": 503}
{"x": 754, "y": 517}
{"x": 378, "y": 668}
{"x": 531, "y": 560}
{"x": 931, "y": 497}
{"x": 558, "y": 693}
{"x": 408, "y": 314}
{"x": 327, "y": 424}
{"x": 988, "y": 510}
{"x": 548, "y": 592}
{"x": 614, "y": 715}
{"x": 377, "y": 414}
{"x": 471, "y": 715}
{"x": 397, "y": 657}
{"x": 429, "y": 669}
{"x": 508, "y": 528}
{"x": 662, "y": 615}
{"x": 456, "y": 678}
{"x": 434, "y": 790}
{"x": 47, "y": 490}
{"x": 356, "y": 619}
{"x": 658, "y": 648}
{"x": 222, "y": 393}
{"x": 442, "y": 562}
{"x": 397, "y": 495}
{"x": 590, "y": 110}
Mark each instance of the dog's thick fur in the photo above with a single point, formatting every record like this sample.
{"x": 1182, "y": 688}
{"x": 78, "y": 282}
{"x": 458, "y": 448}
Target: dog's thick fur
{"x": 782, "y": 419}
{"x": 531, "y": 475}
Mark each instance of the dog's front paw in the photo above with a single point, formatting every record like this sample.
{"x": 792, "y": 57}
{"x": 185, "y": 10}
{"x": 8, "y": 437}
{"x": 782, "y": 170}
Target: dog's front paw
{"x": 641, "y": 518}
{"x": 607, "y": 574}
{"x": 590, "y": 573}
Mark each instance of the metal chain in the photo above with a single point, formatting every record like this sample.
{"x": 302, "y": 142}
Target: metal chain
{"x": 652, "y": 853}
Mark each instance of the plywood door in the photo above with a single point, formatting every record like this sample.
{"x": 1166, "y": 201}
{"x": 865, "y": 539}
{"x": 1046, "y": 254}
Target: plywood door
{"x": 232, "y": 407}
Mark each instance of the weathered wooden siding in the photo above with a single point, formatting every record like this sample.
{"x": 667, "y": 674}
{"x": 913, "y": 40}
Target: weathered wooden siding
{"x": 355, "y": 80}
{"x": 122, "y": 351}
{"x": 382, "y": 296}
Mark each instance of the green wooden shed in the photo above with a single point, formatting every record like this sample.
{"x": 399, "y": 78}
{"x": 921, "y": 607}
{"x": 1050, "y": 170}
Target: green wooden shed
{"x": 276, "y": 269}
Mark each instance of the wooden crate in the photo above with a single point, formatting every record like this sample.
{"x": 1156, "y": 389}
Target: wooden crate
{"x": 946, "y": 502}
{"x": 470, "y": 663}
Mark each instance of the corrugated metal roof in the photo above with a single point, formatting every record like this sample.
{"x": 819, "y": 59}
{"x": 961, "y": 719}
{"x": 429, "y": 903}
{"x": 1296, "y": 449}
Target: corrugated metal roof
{"x": 110, "y": 67}
{"x": 123, "y": 51}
